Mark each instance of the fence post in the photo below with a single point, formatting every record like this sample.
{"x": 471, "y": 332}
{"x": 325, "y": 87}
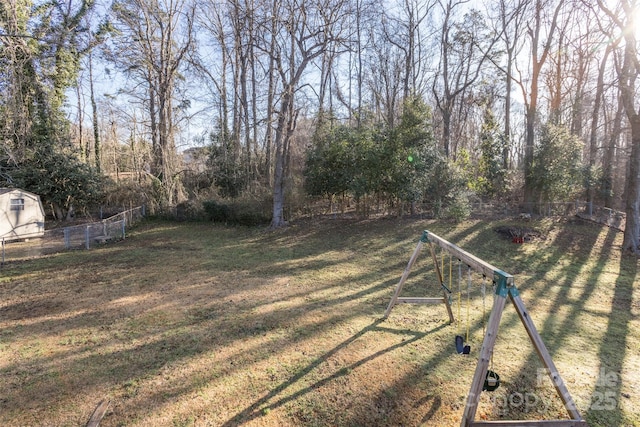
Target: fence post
{"x": 590, "y": 207}
{"x": 123, "y": 229}
{"x": 3, "y": 252}
{"x": 67, "y": 238}
{"x": 86, "y": 236}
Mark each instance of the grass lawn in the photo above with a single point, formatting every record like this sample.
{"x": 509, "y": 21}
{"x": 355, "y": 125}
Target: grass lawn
{"x": 206, "y": 325}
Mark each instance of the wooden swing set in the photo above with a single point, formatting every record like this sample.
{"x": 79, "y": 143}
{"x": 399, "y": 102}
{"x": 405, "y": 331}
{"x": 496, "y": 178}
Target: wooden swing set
{"x": 485, "y": 379}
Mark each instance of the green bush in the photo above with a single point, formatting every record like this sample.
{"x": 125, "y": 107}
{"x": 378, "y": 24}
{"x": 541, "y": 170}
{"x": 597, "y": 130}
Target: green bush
{"x": 191, "y": 210}
{"x": 63, "y": 182}
{"x": 216, "y": 212}
{"x": 238, "y": 212}
{"x": 558, "y": 171}
{"x": 458, "y": 209}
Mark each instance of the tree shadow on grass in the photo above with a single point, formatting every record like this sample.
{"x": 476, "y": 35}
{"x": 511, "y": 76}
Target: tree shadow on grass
{"x": 276, "y": 397}
{"x": 121, "y": 369}
{"x": 606, "y": 400}
{"x": 554, "y": 331}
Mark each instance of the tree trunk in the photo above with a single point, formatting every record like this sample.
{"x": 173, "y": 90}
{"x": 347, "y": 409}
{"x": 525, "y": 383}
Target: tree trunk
{"x": 507, "y": 111}
{"x": 156, "y": 165}
{"x": 446, "y": 129}
{"x": 628, "y": 75}
{"x": 94, "y": 112}
{"x": 84, "y": 153}
{"x": 360, "y": 77}
{"x": 608, "y": 161}
{"x": 529, "y": 196}
{"x": 632, "y": 205}
{"x": 277, "y": 219}
{"x": 268, "y": 138}
{"x": 555, "y": 85}
{"x": 593, "y": 136}
{"x": 254, "y": 113}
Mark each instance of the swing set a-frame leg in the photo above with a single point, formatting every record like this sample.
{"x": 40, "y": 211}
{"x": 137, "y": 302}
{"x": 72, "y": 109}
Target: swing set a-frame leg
{"x": 483, "y": 361}
{"x": 544, "y": 355}
{"x": 485, "y": 356}
{"x": 395, "y": 299}
{"x": 405, "y": 275}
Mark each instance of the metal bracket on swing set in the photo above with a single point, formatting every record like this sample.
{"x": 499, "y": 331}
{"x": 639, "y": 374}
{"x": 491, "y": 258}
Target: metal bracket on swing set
{"x": 505, "y": 288}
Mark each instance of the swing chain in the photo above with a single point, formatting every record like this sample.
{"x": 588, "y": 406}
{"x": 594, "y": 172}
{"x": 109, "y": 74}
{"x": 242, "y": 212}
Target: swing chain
{"x": 484, "y": 306}
{"x": 468, "y": 301}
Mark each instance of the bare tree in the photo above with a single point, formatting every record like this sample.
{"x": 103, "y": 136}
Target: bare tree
{"x": 611, "y": 152}
{"x": 605, "y": 47}
{"x": 304, "y": 32}
{"x": 463, "y": 52}
{"x": 628, "y": 73}
{"x": 271, "y": 27}
{"x": 540, "y": 30}
{"x": 213, "y": 20}
{"x": 155, "y": 38}
{"x": 385, "y": 79}
{"x": 404, "y": 32}
{"x": 511, "y": 20}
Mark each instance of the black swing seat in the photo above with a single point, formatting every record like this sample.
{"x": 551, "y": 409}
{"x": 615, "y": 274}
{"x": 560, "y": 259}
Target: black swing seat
{"x": 460, "y": 347}
{"x": 491, "y": 381}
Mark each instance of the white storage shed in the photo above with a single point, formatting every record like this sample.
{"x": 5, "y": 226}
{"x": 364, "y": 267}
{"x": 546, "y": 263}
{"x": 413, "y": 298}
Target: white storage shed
{"x": 21, "y": 214}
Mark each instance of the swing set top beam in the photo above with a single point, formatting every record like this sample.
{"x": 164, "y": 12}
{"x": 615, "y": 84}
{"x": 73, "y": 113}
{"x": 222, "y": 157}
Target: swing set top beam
{"x": 504, "y": 280}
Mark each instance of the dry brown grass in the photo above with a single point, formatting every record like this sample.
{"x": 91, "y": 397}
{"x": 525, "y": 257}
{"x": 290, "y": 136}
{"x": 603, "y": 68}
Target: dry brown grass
{"x": 196, "y": 324}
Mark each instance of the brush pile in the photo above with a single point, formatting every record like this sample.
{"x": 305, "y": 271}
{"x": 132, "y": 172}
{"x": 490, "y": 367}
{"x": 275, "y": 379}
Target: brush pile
{"x": 517, "y": 234}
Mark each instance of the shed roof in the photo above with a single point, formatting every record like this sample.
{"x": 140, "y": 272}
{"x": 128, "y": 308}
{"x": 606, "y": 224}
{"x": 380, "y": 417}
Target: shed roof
{"x": 9, "y": 190}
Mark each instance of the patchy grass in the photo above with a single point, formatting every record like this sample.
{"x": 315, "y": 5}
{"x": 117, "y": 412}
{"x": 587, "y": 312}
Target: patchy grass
{"x": 198, "y": 324}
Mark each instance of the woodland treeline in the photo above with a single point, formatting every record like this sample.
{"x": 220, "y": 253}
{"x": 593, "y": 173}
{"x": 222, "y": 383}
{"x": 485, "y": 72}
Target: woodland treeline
{"x": 264, "y": 107}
